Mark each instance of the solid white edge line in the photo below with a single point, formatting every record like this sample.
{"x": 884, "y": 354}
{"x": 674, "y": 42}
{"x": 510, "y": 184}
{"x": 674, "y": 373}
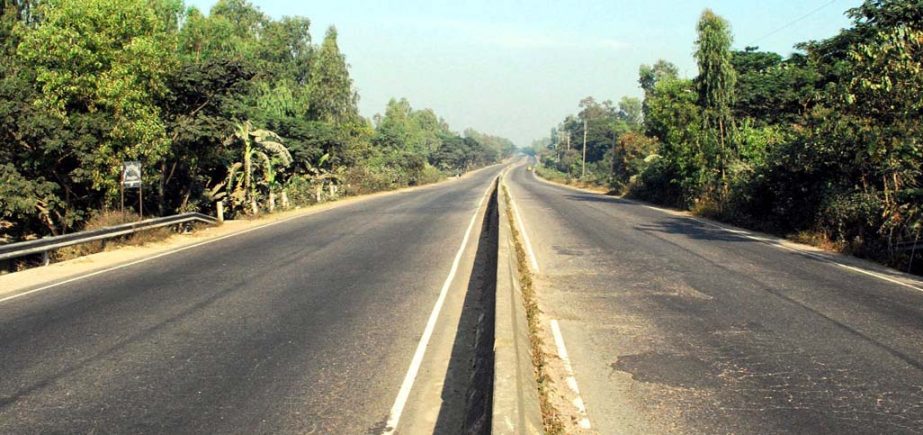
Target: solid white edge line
{"x": 778, "y": 244}
{"x": 765, "y": 240}
{"x": 571, "y": 377}
{"x": 153, "y": 257}
{"x": 195, "y": 245}
{"x": 522, "y": 230}
{"x": 403, "y": 394}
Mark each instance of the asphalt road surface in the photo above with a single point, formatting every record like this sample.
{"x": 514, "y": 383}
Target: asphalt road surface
{"x": 308, "y": 326}
{"x": 674, "y": 325}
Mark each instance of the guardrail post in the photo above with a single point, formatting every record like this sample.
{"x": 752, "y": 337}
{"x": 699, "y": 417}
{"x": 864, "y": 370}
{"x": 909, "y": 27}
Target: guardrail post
{"x": 46, "y": 260}
{"x": 220, "y": 212}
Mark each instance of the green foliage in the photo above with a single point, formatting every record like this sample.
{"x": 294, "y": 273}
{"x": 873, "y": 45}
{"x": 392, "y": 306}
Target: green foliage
{"x": 827, "y": 141}
{"x": 329, "y": 86}
{"x": 205, "y": 101}
{"x": 715, "y": 83}
{"x": 771, "y": 90}
{"x": 109, "y": 58}
{"x": 824, "y": 142}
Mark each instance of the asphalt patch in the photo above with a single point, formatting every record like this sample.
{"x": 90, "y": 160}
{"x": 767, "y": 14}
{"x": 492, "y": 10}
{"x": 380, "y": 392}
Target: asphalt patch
{"x": 675, "y": 370}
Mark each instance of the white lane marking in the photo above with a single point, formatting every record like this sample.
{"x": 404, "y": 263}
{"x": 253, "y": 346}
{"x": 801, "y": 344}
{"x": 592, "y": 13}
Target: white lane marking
{"x": 401, "y": 401}
{"x": 196, "y": 245}
{"x": 569, "y": 369}
{"x": 769, "y": 241}
{"x": 156, "y": 256}
{"x": 525, "y": 234}
{"x": 779, "y": 244}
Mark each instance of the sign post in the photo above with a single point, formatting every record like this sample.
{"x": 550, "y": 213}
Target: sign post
{"x": 131, "y": 179}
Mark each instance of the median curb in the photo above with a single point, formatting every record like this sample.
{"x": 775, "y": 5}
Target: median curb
{"x": 516, "y": 405}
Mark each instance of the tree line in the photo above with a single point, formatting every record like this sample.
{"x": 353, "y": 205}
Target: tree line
{"x": 824, "y": 144}
{"x": 231, "y": 106}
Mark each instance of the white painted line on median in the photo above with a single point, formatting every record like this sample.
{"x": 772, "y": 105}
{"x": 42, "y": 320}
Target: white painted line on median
{"x": 571, "y": 379}
{"x": 525, "y": 234}
{"x": 404, "y": 393}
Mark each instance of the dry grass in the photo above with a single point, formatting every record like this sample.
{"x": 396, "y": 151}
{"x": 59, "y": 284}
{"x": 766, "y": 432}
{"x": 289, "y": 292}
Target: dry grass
{"x": 818, "y": 239}
{"x": 108, "y": 219}
{"x": 551, "y": 416}
{"x": 562, "y": 178}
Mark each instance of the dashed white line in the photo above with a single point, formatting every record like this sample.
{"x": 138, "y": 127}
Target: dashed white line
{"x": 394, "y": 417}
{"x": 571, "y": 379}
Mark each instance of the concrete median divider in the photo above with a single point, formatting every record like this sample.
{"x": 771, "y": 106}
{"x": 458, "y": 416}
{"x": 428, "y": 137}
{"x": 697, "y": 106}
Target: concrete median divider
{"x": 516, "y": 404}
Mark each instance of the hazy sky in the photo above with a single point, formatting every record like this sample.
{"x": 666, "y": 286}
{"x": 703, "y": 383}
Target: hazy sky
{"x": 516, "y": 68}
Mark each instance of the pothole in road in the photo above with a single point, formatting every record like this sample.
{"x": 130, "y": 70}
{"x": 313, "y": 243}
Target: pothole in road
{"x": 676, "y": 370}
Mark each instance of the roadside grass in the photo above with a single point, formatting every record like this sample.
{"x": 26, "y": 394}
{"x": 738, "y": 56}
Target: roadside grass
{"x": 551, "y": 416}
{"x": 557, "y": 176}
{"x": 108, "y": 219}
{"x": 101, "y": 220}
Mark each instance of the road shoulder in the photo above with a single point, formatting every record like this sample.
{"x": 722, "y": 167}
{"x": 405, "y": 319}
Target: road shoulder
{"x": 837, "y": 259}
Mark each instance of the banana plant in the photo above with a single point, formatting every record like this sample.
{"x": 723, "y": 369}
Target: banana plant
{"x": 321, "y": 176}
{"x": 262, "y": 155}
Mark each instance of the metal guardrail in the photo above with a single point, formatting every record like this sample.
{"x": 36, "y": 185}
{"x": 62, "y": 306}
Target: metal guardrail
{"x": 44, "y": 245}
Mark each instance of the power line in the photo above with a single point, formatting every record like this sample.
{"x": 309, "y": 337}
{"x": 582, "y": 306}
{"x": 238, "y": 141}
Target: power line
{"x": 795, "y": 21}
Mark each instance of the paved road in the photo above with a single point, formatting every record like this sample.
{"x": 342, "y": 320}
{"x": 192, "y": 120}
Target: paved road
{"x": 677, "y": 326}
{"x": 303, "y": 327}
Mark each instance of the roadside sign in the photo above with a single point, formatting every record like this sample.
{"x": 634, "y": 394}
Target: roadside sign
{"x": 131, "y": 175}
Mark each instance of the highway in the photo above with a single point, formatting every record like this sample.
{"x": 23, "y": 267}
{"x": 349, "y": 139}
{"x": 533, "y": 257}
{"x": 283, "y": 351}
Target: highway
{"x": 674, "y": 325}
{"x": 308, "y": 326}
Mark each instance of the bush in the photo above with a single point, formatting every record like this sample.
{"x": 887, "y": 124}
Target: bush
{"x": 658, "y": 183}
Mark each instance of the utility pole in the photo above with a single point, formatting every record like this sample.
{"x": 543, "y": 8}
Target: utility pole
{"x": 584, "y": 149}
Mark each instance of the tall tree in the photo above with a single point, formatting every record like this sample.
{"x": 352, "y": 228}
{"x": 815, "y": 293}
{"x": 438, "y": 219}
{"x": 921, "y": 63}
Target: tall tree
{"x": 330, "y": 87}
{"x": 716, "y": 82}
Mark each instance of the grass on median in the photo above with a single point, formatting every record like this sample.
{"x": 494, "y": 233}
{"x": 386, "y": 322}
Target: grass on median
{"x": 551, "y": 417}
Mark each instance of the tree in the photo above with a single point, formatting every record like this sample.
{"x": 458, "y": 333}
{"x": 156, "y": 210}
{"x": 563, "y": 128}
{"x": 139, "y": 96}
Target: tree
{"x": 198, "y": 112}
{"x": 883, "y": 91}
{"x": 772, "y": 90}
{"x": 330, "y": 86}
{"x": 715, "y": 84}
{"x": 104, "y": 58}
{"x": 285, "y": 48}
{"x": 630, "y": 111}
{"x": 650, "y": 75}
